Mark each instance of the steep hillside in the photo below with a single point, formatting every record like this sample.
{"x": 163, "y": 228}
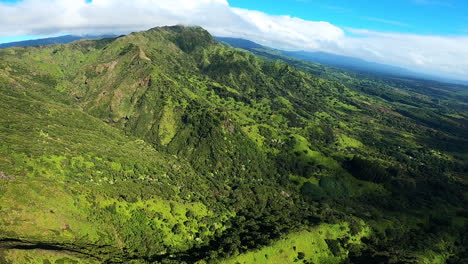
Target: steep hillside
{"x": 165, "y": 146}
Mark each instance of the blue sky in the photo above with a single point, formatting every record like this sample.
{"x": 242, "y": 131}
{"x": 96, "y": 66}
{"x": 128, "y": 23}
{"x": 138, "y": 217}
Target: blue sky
{"x": 438, "y": 17}
{"x": 429, "y": 36}
{"x": 429, "y": 17}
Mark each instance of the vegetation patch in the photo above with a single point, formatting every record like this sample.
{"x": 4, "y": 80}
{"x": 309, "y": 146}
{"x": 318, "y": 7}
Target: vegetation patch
{"x": 326, "y": 243}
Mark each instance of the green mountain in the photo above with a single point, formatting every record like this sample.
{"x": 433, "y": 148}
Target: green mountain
{"x": 343, "y": 63}
{"x": 166, "y": 146}
{"x": 51, "y": 41}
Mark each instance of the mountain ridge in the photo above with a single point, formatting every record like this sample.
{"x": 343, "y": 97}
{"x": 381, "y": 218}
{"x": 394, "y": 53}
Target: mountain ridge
{"x": 330, "y": 59}
{"x": 342, "y": 62}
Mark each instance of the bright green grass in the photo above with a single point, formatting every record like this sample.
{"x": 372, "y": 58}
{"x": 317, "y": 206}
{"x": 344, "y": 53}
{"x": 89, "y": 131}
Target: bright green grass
{"x": 302, "y": 145}
{"x": 344, "y": 141}
{"x": 195, "y": 222}
{"x": 167, "y": 126}
{"x": 302, "y": 180}
{"x": 254, "y": 134}
{"x": 310, "y": 242}
{"x": 36, "y": 256}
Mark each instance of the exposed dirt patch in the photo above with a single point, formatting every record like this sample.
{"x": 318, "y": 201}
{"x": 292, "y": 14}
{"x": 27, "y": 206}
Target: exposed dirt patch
{"x": 3, "y": 176}
{"x": 143, "y": 55}
{"x": 229, "y": 125}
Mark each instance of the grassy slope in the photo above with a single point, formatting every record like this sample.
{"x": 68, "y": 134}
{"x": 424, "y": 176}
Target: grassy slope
{"x": 164, "y": 142}
{"x": 71, "y": 181}
{"x": 318, "y": 245}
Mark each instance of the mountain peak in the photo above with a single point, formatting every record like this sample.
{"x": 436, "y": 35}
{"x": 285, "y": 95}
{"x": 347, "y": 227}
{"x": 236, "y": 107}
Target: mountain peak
{"x": 187, "y": 38}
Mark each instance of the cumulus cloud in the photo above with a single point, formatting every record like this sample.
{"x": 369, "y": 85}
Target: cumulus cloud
{"x": 43, "y": 17}
{"x": 287, "y": 32}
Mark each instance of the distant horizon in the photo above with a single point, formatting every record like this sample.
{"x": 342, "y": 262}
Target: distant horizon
{"x": 412, "y": 72}
{"x": 400, "y": 33}
{"x": 427, "y": 36}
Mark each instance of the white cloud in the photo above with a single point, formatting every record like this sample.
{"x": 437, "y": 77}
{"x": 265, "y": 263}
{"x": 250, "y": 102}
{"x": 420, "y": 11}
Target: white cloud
{"x": 41, "y": 17}
{"x": 287, "y": 32}
{"x": 431, "y": 54}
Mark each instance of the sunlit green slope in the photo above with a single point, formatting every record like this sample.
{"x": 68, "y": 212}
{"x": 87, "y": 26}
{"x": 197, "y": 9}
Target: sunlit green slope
{"x": 165, "y": 146}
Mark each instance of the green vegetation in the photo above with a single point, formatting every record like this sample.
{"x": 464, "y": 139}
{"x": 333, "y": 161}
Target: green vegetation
{"x": 165, "y": 146}
{"x": 326, "y": 243}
